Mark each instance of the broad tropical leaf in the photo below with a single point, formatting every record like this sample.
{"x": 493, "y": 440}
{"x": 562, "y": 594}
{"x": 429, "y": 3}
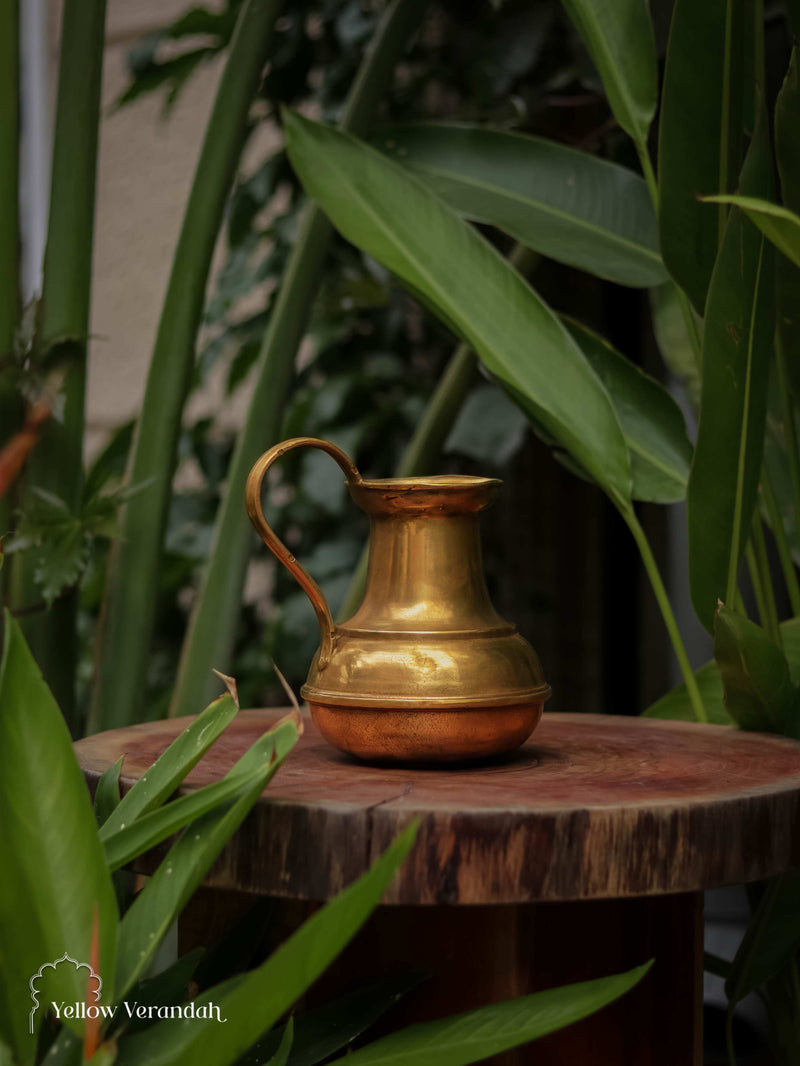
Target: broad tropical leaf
{"x": 619, "y": 37}
{"x": 518, "y": 338}
{"x": 758, "y": 690}
{"x": 675, "y": 704}
{"x": 700, "y": 136}
{"x": 55, "y": 884}
{"x": 652, "y": 423}
{"x": 737, "y": 342}
{"x": 475, "y": 1035}
{"x": 256, "y": 1001}
{"x": 568, "y": 205}
{"x": 106, "y": 795}
{"x": 787, "y": 153}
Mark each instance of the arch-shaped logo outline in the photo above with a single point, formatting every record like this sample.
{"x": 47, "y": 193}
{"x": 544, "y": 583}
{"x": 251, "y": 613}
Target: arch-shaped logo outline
{"x": 51, "y": 966}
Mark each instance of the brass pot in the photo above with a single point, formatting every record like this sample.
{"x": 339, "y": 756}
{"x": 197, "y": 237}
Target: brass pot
{"x": 426, "y": 669}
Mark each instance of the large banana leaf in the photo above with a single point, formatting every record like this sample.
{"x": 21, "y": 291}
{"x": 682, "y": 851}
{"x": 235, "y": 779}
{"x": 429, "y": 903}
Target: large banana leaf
{"x": 652, "y": 423}
{"x": 397, "y": 219}
{"x": 700, "y": 134}
{"x": 619, "y": 37}
{"x": 566, "y": 204}
{"x": 55, "y": 888}
{"x": 730, "y": 441}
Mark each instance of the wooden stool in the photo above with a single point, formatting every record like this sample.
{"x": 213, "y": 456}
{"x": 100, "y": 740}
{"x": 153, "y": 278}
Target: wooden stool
{"x": 583, "y": 854}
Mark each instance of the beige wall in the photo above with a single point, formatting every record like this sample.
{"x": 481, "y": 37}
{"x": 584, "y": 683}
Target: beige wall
{"x": 145, "y": 169}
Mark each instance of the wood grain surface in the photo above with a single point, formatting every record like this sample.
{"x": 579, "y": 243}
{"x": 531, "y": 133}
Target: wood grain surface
{"x": 591, "y": 807}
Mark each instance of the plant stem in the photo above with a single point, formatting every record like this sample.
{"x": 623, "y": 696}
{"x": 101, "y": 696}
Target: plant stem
{"x": 789, "y": 426}
{"x": 731, "y": 1051}
{"x": 755, "y": 579}
{"x": 213, "y": 623}
{"x": 56, "y": 463}
{"x": 667, "y": 613}
{"x": 781, "y": 542}
{"x": 648, "y": 172}
{"x": 132, "y": 582}
{"x": 762, "y": 561}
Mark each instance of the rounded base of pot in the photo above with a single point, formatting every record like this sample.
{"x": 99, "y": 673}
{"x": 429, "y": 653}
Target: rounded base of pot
{"x": 459, "y": 734}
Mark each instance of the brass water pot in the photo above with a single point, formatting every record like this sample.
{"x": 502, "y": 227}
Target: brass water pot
{"x": 426, "y": 669}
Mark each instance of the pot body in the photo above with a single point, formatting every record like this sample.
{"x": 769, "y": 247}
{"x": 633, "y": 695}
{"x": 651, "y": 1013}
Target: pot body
{"x": 426, "y": 669}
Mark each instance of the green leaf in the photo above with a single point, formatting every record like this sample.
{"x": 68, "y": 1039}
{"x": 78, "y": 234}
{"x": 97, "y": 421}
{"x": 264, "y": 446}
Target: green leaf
{"x": 787, "y": 152}
{"x": 520, "y": 341}
{"x": 170, "y": 768}
{"x": 619, "y": 37}
{"x": 321, "y": 1032}
{"x": 771, "y": 940}
{"x": 652, "y": 423}
{"x": 700, "y": 135}
{"x": 56, "y": 884}
{"x": 737, "y": 343}
{"x": 106, "y": 795}
{"x": 281, "y": 1056}
{"x": 260, "y": 998}
{"x": 675, "y": 705}
{"x": 474, "y": 1035}
{"x": 674, "y": 342}
{"x": 489, "y": 427}
{"x": 778, "y": 224}
{"x": 157, "y": 906}
{"x": 568, "y": 205}
{"x": 123, "y": 845}
{"x": 759, "y": 693}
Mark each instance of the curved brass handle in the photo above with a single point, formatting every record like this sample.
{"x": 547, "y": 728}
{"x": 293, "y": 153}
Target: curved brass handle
{"x": 278, "y": 548}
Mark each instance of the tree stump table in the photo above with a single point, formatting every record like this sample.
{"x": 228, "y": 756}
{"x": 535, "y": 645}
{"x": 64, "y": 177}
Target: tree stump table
{"x": 583, "y": 854}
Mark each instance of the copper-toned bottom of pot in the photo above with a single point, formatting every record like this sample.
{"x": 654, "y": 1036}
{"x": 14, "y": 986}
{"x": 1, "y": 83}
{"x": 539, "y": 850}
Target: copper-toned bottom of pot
{"x": 432, "y": 736}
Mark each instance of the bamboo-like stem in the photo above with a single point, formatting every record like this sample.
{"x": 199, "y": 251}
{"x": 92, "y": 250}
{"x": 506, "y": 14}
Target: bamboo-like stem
{"x": 781, "y": 542}
{"x": 789, "y": 426}
{"x": 651, "y": 567}
{"x": 56, "y": 463}
{"x": 762, "y": 561}
{"x": 132, "y": 582}
{"x": 758, "y": 586}
{"x": 213, "y": 623}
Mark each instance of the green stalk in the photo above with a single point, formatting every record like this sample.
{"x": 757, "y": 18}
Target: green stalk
{"x": 437, "y": 420}
{"x": 667, "y": 614}
{"x": 9, "y": 224}
{"x": 132, "y": 583}
{"x": 213, "y": 623}
{"x": 56, "y": 463}
{"x": 762, "y": 561}
{"x": 781, "y": 542}
{"x": 758, "y": 586}
{"x": 789, "y": 426}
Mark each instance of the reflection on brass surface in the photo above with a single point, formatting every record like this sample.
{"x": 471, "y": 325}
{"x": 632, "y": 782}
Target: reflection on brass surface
{"x": 426, "y": 669}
